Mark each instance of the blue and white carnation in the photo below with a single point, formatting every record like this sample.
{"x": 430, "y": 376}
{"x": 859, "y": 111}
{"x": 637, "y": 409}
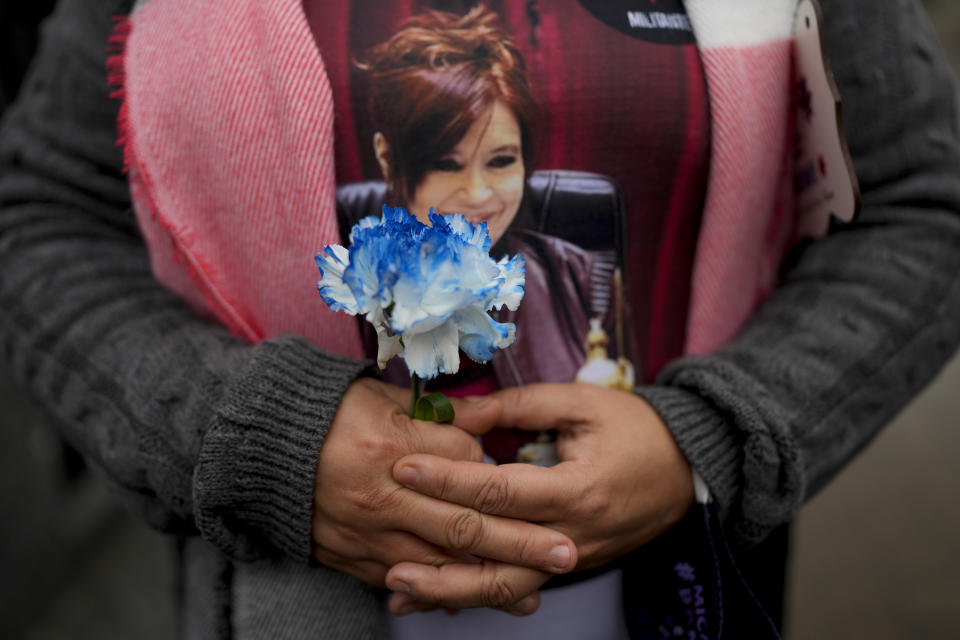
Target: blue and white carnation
{"x": 427, "y": 290}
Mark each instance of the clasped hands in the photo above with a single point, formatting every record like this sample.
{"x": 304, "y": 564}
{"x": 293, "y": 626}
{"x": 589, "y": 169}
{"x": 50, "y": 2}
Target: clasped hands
{"x": 409, "y": 505}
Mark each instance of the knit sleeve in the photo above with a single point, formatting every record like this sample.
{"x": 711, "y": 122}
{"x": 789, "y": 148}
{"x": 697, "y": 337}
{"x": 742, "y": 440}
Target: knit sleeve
{"x": 197, "y": 430}
{"x": 863, "y": 318}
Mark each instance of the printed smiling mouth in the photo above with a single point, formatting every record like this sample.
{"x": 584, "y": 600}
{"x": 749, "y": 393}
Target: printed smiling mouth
{"x": 477, "y": 218}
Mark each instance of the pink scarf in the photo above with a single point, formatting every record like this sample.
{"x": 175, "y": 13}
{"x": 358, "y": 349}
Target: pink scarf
{"x": 227, "y": 125}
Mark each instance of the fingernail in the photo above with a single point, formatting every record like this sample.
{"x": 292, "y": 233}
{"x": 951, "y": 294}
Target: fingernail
{"x": 560, "y": 557}
{"x": 401, "y": 586}
{"x": 405, "y": 608}
{"x": 526, "y": 606}
{"x": 408, "y": 475}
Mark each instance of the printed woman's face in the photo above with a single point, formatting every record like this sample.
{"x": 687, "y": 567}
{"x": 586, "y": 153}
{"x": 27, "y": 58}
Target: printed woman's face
{"x": 482, "y": 177}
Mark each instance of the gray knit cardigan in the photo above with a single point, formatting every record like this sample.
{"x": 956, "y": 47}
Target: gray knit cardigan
{"x": 217, "y": 441}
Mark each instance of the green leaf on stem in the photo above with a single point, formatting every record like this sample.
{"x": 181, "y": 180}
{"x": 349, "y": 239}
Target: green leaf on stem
{"x": 435, "y": 407}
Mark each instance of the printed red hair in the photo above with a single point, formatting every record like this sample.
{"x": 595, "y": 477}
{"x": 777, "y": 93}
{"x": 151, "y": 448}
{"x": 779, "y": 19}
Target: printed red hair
{"x": 432, "y": 80}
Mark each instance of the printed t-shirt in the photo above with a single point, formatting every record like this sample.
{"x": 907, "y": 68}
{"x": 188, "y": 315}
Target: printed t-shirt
{"x": 620, "y": 92}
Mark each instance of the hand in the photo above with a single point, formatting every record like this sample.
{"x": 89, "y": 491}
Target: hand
{"x": 621, "y": 482}
{"x": 364, "y": 522}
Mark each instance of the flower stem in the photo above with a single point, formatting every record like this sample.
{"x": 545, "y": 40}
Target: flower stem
{"x": 415, "y": 392}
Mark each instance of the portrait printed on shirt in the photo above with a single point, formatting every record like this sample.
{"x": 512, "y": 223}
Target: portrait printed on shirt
{"x": 577, "y": 130}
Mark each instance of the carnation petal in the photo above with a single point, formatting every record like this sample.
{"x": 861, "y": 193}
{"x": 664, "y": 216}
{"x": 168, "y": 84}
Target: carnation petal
{"x": 365, "y": 223}
{"x": 473, "y": 234}
{"x": 480, "y": 334}
{"x": 331, "y": 286}
{"x": 453, "y": 275}
{"x": 366, "y": 276}
{"x": 514, "y": 274}
{"x": 415, "y": 321}
{"x": 433, "y": 352}
{"x": 408, "y": 310}
{"x": 388, "y": 346}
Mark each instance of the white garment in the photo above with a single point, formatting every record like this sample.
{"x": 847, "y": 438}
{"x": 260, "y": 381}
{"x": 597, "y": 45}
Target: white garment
{"x": 589, "y": 609}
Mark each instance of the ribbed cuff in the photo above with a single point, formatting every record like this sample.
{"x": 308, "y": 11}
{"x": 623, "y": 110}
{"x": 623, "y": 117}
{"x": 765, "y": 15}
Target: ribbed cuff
{"x": 705, "y": 436}
{"x": 253, "y": 486}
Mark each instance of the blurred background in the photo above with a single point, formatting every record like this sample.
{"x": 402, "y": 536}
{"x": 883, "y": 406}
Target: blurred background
{"x": 875, "y": 555}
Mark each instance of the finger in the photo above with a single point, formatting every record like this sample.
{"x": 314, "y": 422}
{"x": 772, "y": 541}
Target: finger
{"x": 445, "y": 441}
{"x": 461, "y": 529}
{"x": 386, "y": 548}
{"x": 526, "y": 491}
{"x": 395, "y": 547}
{"x": 461, "y": 586}
{"x": 525, "y": 606}
{"x": 401, "y": 604}
{"x": 539, "y": 407}
{"x": 371, "y": 572}
{"x": 476, "y": 414}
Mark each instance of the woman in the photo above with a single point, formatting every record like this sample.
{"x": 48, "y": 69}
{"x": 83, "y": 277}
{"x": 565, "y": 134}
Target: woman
{"x": 216, "y": 439}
